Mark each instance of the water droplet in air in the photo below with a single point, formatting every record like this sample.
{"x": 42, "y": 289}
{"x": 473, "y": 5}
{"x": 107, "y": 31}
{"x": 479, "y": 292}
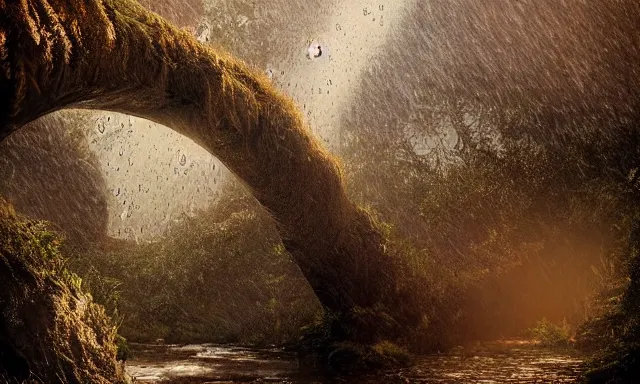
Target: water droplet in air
{"x": 314, "y": 51}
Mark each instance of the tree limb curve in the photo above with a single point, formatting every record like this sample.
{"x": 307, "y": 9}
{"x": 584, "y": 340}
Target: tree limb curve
{"x": 114, "y": 55}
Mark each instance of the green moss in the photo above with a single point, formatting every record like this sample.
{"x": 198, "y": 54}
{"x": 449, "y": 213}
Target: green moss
{"x": 50, "y": 331}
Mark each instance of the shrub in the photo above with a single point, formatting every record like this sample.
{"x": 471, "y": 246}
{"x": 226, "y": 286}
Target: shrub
{"x": 549, "y": 334}
{"x": 392, "y": 351}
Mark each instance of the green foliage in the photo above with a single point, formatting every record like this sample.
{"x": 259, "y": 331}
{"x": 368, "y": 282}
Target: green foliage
{"x": 549, "y": 334}
{"x": 124, "y": 352}
{"x": 104, "y": 290}
{"x": 220, "y": 276}
{"x": 49, "y": 172}
{"x": 50, "y": 330}
{"x": 352, "y": 358}
{"x": 612, "y": 333}
{"x": 318, "y": 344}
{"x": 496, "y": 225}
{"x": 393, "y": 351}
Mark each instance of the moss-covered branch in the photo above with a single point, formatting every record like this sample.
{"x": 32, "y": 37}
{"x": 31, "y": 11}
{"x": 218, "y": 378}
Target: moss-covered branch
{"x": 115, "y": 55}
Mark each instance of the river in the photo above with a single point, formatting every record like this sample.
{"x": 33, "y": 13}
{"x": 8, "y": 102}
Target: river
{"x": 497, "y": 362}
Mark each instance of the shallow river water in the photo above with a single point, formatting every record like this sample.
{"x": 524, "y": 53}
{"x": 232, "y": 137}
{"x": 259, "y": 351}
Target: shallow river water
{"x": 503, "y": 362}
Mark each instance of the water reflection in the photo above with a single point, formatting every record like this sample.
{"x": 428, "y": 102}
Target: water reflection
{"x": 500, "y": 362}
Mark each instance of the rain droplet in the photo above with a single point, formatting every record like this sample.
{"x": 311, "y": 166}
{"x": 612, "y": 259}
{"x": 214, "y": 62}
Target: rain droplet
{"x": 314, "y": 51}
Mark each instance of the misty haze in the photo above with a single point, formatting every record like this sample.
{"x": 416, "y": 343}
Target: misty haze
{"x": 231, "y": 191}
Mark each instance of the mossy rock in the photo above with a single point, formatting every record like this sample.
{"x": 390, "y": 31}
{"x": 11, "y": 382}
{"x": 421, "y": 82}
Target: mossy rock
{"x": 353, "y": 358}
{"x": 324, "y": 349}
{"x": 50, "y": 331}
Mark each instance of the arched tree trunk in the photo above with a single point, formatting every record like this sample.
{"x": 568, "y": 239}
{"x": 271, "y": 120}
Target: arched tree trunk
{"x": 114, "y": 55}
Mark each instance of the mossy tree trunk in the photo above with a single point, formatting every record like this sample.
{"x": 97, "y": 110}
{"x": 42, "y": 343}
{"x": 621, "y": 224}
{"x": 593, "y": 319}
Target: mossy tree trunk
{"x": 114, "y": 55}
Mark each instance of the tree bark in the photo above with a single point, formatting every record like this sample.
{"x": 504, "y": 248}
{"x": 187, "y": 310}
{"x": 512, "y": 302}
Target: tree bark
{"x": 114, "y": 55}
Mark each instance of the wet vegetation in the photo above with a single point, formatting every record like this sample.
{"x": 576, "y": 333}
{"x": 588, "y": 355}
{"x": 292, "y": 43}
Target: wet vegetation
{"x": 221, "y": 276}
{"x": 548, "y": 217}
{"x": 50, "y": 331}
{"x": 49, "y": 172}
{"x": 493, "y": 203}
{"x": 611, "y": 333}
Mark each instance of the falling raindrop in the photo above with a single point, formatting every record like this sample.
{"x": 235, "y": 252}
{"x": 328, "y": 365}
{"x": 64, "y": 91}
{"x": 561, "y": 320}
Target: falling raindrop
{"x": 314, "y": 51}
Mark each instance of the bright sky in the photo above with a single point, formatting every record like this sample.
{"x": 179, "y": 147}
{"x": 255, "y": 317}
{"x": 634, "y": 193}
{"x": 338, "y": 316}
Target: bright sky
{"x": 153, "y": 174}
{"x": 350, "y": 40}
